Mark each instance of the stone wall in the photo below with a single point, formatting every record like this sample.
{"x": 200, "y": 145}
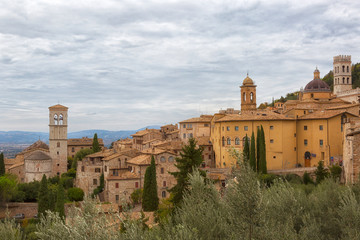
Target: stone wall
{"x": 29, "y": 209}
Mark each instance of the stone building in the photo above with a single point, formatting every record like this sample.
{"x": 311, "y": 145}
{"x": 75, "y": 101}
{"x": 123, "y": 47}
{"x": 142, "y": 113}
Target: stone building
{"x": 309, "y": 130}
{"x": 351, "y": 151}
{"x": 123, "y": 144}
{"x": 195, "y": 127}
{"x": 170, "y": 132}
{"x": 76, "y": 144}
{"x": 145, "y": 138}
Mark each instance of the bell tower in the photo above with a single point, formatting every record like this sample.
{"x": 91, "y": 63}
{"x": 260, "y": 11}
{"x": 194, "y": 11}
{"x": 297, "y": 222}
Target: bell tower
{"x": 342, "y": 74}
{"x": 58, "y": 120}
{"x": 248, "y": 95}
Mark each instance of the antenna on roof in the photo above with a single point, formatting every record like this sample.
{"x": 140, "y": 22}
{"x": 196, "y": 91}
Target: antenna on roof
{"x": 247, "y": 73}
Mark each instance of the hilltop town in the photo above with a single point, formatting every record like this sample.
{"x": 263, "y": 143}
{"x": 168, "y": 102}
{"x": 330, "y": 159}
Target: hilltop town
{"x": 321, "y": 125}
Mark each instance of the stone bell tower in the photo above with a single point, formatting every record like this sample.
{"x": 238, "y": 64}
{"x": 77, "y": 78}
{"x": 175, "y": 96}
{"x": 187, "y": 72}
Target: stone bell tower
{"x": 342, "y": 74}
{"x": 58, "y": 120}
{"x": 248, "y": 95}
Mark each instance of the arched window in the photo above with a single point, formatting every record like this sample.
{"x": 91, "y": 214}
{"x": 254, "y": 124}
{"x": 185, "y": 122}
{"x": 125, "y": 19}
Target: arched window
{"x": 343, "y": 68}
{"x": 246, "y": 138}
{"x": 55, "y": 119}
{"x": 163, "y": 194}
{"x": 58, "y": 144}
{"x": 237, "y": 141}
{"x": 347, "y": 69}
{"x": 171, "y": 159}
{"x": 347, "y": 80}
{"x": 162, "y": 159}
{"x": 343, "y": 80}
{"x": 251, "y": 96}
{"x": 223, "y": 141}
{"x": 61, "y": 118}
{"x": 228, "y": 140}
{"x": 244, "y": 97}
{"x": 343, "y": 120}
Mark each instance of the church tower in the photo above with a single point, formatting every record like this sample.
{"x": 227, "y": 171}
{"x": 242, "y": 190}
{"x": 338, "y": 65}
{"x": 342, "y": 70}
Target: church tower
{"x": 342, "y": 74}
{"x": 58, "y": 120}
{"x": 248, "y": 95}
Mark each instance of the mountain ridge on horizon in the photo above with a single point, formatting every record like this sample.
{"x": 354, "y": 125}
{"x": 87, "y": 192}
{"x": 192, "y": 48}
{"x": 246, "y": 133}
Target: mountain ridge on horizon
{"x": 28, "y": 137}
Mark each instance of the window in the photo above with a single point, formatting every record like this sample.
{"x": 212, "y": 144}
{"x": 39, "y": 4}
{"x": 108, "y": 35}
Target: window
{"x": 117, "y": 198}
{"x": 347, "y": 80}
{"x": 294, "y": 148}
{"x": 305, "y": 128}
{"x": 82, "y": 168}
{"x": 223, "y": 141}
{"x": 206, "y": 125}
{"x": 321, "y": 127}
{"x": 57, "y": 152}
{"x": 236, "y": 128}
{"x": 97, "y": 169}
{"x": 237, "y": 141}
{"x": 162, "y": 170}
{"x": 162, "y": 159}
{"x": 294, "y": 134}
{"x": 171, "y": 159}
{"x": 189, "y": 125}
{"x": 343, "y": 68}
{"x": 115, "y": 172}
{"x": 72, "y": 149}
{"x": 163, "y": 194}
{"x": 164, "y": 183}
{"x": 227, "y": 128}
{"x": 184, "y": 126}
{"x": 190, "y": 135}
{"x": 58, "y": 144}
{"x": 94, "y": 181}
{"x": 228, "y": 141}
{"x": 305, "y": 142}
{"x": 184, "y": 136}
{"x": 136, "y": 184}
{"x": 116, "y": 185}
{"x": 271, "y": 127}
{"x": 274, "y": 156}
{"x": 251, "y": 97}
{"x": 209, "y": 148}
{"x": 321, "y": 142}
{"x": 105, "y": 168}
{"x": 347, "y": 69}
{"x": 271, "y": 140}
{"x": 304, "y": 112}
{"x": 246, "y": 128}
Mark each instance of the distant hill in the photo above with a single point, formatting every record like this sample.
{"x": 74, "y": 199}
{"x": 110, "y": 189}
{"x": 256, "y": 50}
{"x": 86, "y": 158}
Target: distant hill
{"x": 23, "y": 137}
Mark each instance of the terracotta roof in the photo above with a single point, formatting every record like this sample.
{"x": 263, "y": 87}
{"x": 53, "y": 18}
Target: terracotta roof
{"x": 202, "y": 118}
{"x": 343, "y": 106}
{"x": 144, "y": 132}
{"x": 324, "y": 114}
{"x": 143, "y": 159}
{"x": 83, "y": 141}
{"x": 16, "y": 165}
{"x": 155, "y": 151}
{"x": 248, "y": 81}
{"x": 37, "y": 145}
{"x": 203, "y": 141}
{"x": 38, "y": 155}
{"x": 152, "y": 140}
{"x": 257, "y": 116}
{"x": 124, "y": 175}
{"x": 103, "y": 153}
{"x": 58, "y": 106}
{"x": 130, "y": 153}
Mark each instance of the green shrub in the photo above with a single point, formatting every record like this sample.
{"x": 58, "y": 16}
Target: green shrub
{"x": 75, "y": 194}
{"x": 268, "y": 179}
{"x": 293, "y": 178}
{"x": 136, "y": 196}
{"x": 335, "y": 172}
{"x": 67, "y": 182}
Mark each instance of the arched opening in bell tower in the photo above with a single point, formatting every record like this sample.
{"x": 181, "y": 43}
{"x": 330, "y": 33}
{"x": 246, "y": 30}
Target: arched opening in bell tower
{"x": 55, "y": 119}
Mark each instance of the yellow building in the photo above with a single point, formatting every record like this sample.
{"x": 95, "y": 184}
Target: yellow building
{"x": 309, "y": 131}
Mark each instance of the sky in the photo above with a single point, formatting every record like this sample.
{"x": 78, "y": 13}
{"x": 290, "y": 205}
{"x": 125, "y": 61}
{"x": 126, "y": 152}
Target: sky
{"x": 123, "y": 65}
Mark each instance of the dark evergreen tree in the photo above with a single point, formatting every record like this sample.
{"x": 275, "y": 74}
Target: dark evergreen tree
{"x": 262, "y": 162}
{"x": 321, "y": 172}
{"x": 150, "y": 199}
{"x": 258, "y": 143}
{"x": 190, "y": 159}
{"x": 246, "y": 150}
{"x": 252, "y": 153}
{"x": 95, "y": 145}
{"x": 60, "y": 201}
{"x": 43, "y": 196}
{"x": 2, "y": 164}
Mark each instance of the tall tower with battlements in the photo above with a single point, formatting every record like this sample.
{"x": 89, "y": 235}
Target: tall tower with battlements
{"x": 58, "y": 120}
{"x": 342, "y": 74}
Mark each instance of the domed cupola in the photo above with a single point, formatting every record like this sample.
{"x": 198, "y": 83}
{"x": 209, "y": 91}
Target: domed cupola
{"x": 317, "y": 89}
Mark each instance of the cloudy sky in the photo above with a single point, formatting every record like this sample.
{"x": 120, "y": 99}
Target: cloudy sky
{"x": 128, "y": 64}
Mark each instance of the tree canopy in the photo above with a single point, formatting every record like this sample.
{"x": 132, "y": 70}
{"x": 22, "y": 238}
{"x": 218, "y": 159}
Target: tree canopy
{"x": 150, "y": 199}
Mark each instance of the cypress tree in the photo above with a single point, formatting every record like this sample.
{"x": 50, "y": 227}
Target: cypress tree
{"x": 60, "y": 201}
{"x": 262, "y": 163}
{"x": 258, "y": 147}
{"x": 43, "y": 196}
{"x": 2, "y": 164}
{"x": 150, "y": 199}
{"x": 252, "y": 153}
{"x": 246, "y": 151}
{"x": 95, "y": 145}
